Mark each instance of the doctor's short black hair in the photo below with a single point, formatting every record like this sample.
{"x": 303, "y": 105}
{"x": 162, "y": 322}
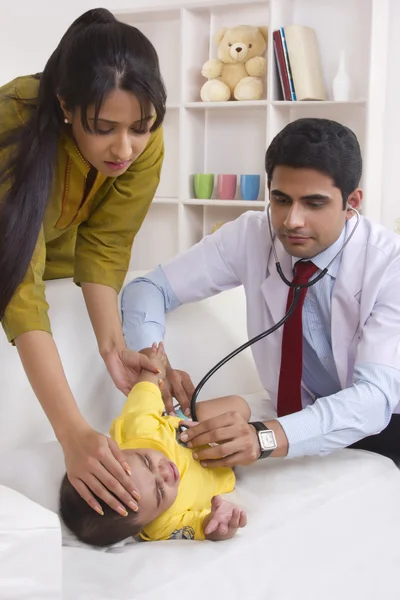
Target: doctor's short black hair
{"x": 320, "y": 144}
{"x": 90, "y": 527}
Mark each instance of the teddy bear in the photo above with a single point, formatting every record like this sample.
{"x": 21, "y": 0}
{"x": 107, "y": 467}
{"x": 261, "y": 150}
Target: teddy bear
{"x": 236, "y": 73}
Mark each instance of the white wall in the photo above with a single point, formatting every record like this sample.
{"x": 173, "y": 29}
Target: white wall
{"x": 31, "y": 29}
{"x": 390, "y": 184}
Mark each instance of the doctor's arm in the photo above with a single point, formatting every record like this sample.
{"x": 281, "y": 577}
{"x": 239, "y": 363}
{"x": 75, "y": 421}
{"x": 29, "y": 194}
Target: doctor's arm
{"x": 201, "y": 272}
{"x": 332, "y": 422}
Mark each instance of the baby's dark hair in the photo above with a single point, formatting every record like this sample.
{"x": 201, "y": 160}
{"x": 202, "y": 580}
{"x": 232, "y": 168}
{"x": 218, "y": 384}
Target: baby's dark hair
{"x": 90, "y": 527}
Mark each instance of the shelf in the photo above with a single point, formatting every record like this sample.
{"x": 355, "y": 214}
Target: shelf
{"x": 229, "y": 104}
{"x": 225, "y": 203}
{"x": 233, "y": 136}
{"x": 316, "y": 103}
{"x": 162, "y": 200}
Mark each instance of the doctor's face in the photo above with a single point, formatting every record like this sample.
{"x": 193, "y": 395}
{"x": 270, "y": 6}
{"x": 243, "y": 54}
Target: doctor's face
{"x": 307, "y": 210}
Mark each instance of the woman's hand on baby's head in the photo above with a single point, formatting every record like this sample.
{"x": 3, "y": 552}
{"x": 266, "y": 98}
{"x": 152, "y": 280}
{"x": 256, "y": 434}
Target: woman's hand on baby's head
{"x": 96, "y": 465}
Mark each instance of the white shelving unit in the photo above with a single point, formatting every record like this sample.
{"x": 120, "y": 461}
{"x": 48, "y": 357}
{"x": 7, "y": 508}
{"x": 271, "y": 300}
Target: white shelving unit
{"x": 232, "y": 137}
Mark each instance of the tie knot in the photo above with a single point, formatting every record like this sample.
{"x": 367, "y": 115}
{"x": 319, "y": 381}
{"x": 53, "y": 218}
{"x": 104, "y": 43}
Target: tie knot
{"x": 303, "y": 271}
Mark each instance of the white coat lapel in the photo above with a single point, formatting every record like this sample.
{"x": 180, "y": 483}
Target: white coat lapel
{"x": 274, "y": 290}
{"x": 345, "y": 307}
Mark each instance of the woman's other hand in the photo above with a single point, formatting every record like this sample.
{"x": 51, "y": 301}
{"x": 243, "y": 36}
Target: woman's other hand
{"x": 125, "y": 367}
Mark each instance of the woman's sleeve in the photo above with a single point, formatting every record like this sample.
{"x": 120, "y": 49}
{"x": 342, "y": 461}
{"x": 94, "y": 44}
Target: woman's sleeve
{"x": 27, "y": 310}
{"x": 104, "y": 241}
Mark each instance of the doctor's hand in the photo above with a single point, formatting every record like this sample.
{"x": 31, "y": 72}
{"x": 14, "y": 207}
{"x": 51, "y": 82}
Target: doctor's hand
{"x": 177, "y": 385}
{"x": 235, "y": 442}
{"x": 96, "y": 465}
{"x": 125, "y": 366}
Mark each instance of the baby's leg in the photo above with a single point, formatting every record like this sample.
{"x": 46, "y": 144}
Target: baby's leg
{"x": 213, "y": 408}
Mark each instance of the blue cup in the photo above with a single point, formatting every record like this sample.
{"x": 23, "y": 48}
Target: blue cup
{"x": 249, "y": 186}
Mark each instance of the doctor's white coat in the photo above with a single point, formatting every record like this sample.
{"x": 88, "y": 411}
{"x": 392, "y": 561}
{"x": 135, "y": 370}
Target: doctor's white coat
{"x": 365, "y": 301}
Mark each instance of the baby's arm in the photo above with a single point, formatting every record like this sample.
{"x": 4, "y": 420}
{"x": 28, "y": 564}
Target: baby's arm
{"x": 158, "y": 359}
{"x": 221, "y": 523}
{"x": 213, "y": 408}
{"x": 144, "y": 406}
{"x": 224, "y": 520}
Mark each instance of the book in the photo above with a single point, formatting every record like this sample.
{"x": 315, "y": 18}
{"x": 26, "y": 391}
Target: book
{"x": 281, "y": 65}
{"x": 287, "y": 62}
{"x": 305, "y": 62}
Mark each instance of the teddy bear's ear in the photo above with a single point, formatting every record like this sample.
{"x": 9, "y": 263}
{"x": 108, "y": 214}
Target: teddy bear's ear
{"x": 219, "y": 35}
{"x": 264, "y": 32}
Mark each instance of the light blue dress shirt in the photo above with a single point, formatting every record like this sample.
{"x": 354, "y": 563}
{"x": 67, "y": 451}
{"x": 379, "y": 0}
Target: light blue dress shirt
{"x": 330, "y": 419}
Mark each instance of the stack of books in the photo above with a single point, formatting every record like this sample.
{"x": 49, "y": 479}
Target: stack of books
{"x": 298, "y": 62}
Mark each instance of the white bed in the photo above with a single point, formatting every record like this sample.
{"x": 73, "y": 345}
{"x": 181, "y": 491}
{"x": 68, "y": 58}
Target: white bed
{"x": 318, "y": 528}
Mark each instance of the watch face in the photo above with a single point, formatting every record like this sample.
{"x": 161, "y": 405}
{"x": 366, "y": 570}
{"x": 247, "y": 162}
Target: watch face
{"x": 267, "y": 440}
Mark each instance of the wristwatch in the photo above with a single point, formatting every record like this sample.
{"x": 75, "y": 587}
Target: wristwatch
{"x": 266, "y": 438}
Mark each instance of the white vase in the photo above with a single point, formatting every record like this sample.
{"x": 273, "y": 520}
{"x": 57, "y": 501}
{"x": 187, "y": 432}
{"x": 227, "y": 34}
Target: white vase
{"x": 341, "y": 83}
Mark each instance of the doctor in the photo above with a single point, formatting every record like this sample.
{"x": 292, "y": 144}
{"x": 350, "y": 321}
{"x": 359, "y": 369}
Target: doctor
{"x": 333, "y": 370}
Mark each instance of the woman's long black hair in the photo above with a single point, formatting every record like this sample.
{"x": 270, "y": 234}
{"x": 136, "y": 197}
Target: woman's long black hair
{"x": 96, "y": 55}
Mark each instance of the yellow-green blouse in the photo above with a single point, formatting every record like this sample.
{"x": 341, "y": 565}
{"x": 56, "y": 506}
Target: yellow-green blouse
{"x": 90, "y": 241}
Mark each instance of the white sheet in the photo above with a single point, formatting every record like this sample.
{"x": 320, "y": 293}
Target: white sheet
{"x": 30, "y": 549}
{"x": 309, "y": 537}
{"x": 319, "y": 528}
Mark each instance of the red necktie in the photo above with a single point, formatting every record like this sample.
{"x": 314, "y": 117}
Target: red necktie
{"x": 289, "y": 390}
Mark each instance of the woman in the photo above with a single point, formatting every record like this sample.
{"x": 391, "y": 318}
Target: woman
{"x": 81, "y": 150}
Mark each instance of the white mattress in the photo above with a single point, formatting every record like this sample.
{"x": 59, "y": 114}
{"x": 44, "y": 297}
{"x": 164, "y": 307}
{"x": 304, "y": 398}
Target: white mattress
{"x": 318, "y": 529}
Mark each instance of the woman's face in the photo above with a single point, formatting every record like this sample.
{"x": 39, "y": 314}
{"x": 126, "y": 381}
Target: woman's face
{"x": 122, "y": 134}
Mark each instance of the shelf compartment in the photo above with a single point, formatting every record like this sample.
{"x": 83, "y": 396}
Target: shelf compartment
{"x": 157, "y": 239}
{"x": 350, "y": 114}
{"x": 224, "y": 141}
{"x": 163, "y": 29}
{"x": 201, "y": 24}
{"x": 347, "y": 28}
{"x": 216, "y": 215}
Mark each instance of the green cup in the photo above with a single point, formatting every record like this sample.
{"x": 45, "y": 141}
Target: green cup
{"x": 203, "y": 185}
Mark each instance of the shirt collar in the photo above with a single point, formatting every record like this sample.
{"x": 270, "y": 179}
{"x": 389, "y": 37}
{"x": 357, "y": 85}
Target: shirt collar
{"x": 323, "y": 259}
{"x": 75, "y": 154}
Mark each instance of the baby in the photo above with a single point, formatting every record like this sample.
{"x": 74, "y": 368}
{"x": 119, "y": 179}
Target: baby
{"x": 179, "y": 499}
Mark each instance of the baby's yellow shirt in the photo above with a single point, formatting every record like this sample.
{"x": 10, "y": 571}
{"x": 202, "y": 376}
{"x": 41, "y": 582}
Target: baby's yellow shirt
{"x": 142, "y": 425}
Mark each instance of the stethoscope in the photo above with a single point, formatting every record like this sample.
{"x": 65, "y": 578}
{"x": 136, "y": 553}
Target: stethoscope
{"x": 296, "y": 294}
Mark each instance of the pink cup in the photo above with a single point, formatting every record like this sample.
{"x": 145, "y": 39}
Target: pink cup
{"x": 227, "y": 187}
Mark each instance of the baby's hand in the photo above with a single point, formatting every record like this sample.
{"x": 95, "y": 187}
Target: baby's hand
{"x": 224, "y": 520}
{"x": 158, "y": 358}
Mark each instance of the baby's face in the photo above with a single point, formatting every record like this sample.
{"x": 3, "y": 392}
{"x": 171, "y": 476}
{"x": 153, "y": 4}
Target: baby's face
{"x": 156, "y": 479}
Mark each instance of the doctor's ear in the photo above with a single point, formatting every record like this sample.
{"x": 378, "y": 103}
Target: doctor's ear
{"x": 354, "y": 201}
